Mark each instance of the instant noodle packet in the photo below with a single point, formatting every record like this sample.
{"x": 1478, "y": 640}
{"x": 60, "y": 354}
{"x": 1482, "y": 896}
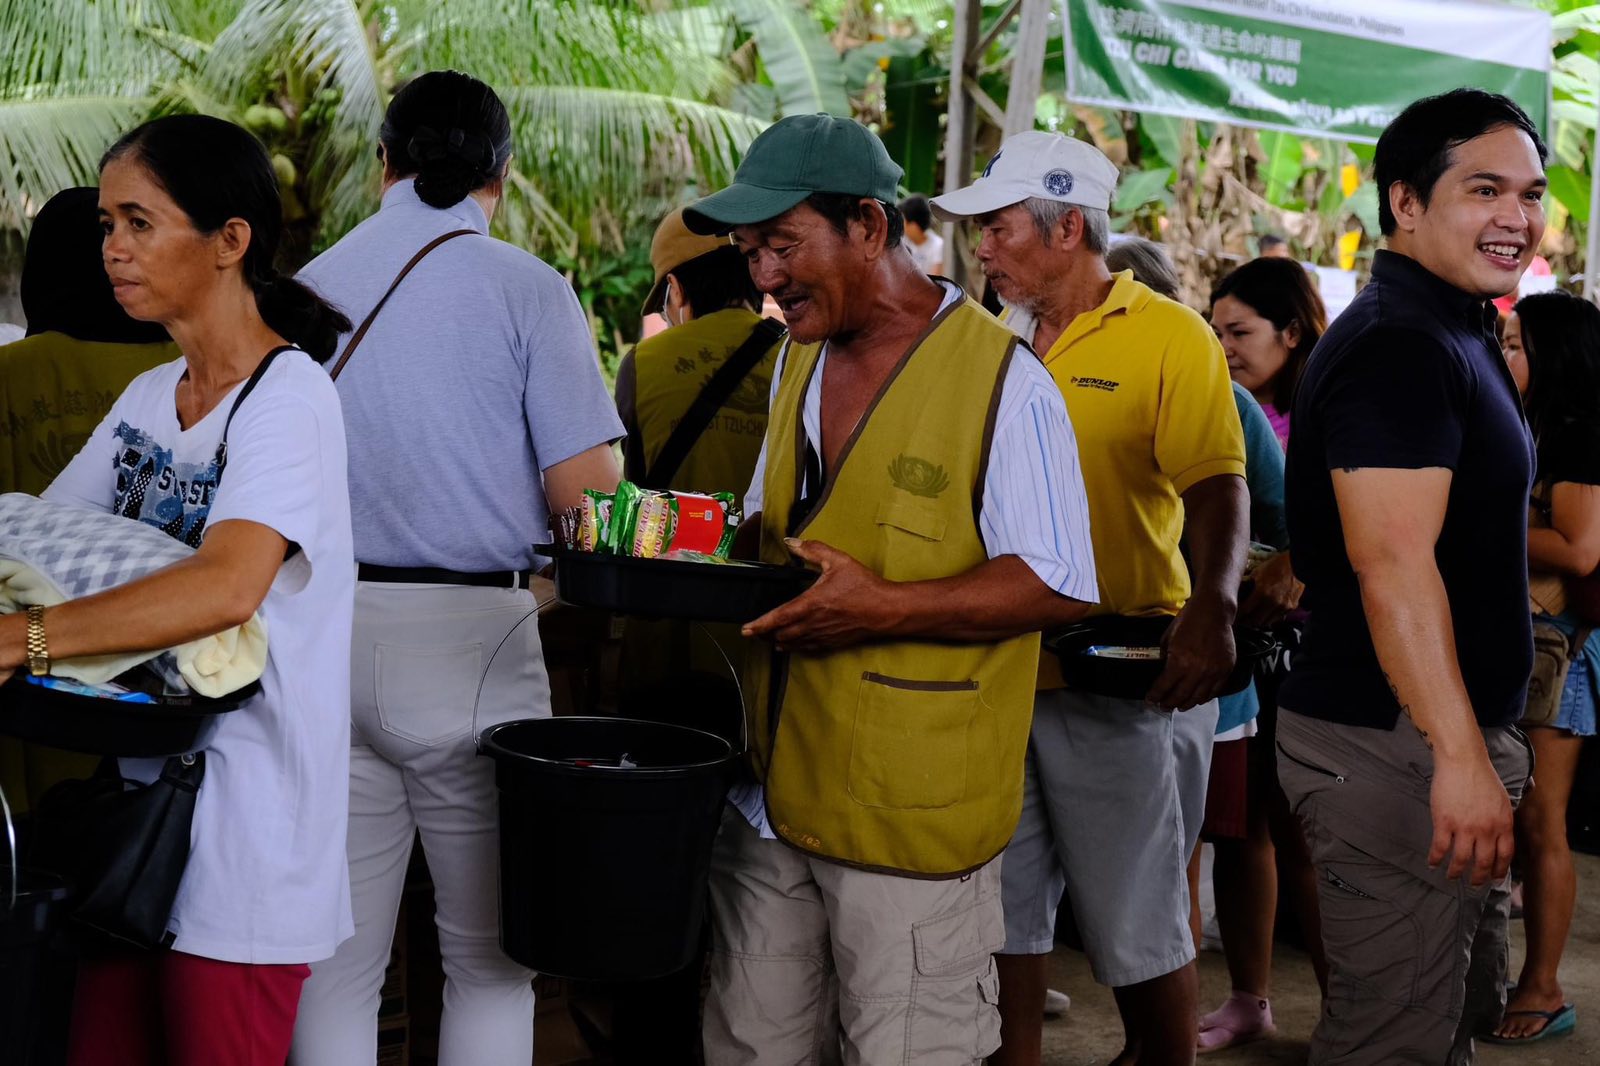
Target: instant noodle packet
{"x": 595, "y": 515}
{"x": 646, "y": 523}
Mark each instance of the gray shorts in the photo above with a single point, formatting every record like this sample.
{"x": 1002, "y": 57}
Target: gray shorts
{"x": 1111, "y": 809}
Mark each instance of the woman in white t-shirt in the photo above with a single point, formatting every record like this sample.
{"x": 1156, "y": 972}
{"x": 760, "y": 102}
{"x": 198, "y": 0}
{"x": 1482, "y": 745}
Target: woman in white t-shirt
{"x": 192, "y": 218}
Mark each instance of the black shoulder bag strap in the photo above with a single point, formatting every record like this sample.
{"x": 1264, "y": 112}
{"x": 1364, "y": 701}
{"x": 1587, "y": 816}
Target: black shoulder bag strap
{"x": 366, "y": 323}
{"x": 715, "y": 393}
{"x": 249, "y": 387}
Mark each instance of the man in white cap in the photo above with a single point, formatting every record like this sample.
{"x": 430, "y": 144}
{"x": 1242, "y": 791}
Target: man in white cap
{"x": 1115, "y": 787}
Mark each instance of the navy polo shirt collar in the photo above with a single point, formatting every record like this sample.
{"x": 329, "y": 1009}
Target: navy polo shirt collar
{"x": 1396, "y": 270}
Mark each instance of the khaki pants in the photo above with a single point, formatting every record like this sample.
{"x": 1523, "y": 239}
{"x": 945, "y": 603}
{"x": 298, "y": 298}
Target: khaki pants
{"x": 1417, "y": 963}
{"x": 813, "y": 962}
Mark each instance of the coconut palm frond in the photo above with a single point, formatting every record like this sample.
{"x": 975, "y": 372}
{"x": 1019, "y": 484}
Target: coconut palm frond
{"x": 49, "y": 42}
{"x": 528, "y": 219}
{"x": 54, "y": 142}
{"x": 331, "y": 49}
{"x": 75, "y": 76}
{"x": 332, "y": 43}
{"x": 620, "y": 153}
{"x": 197, "y": 96}
{"x": 186, "y": 51}
{"x": 550, "y": 42}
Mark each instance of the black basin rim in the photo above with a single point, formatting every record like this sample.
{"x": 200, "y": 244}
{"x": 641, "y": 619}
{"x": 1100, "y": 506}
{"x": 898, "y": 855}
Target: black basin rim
{"x": 489, "y": 745}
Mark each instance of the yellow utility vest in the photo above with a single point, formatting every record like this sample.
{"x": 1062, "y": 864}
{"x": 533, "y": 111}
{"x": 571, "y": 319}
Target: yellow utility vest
{"x": 670, "y": 370}
{"x": 901, "y": 756}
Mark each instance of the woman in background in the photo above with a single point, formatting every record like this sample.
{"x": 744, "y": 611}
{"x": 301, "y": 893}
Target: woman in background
{"x": 1552, "y": 346}
{"x": 1268, "y": 316}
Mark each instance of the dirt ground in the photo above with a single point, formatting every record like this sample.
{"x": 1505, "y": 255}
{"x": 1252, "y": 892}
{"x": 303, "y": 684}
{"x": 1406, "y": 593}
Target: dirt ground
{"x": 1090, "y": 1034}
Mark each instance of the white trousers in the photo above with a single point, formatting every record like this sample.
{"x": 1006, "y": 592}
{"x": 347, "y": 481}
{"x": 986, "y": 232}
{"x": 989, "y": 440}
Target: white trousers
{"x": 420, "y": 654}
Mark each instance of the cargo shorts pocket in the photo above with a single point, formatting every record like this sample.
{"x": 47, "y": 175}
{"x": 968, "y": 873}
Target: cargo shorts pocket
{"x": 1376, "y": 937}
{"x": 426, "y": 695}
{"x": 909, "y": 746}
{"x": 955, "y": 1010}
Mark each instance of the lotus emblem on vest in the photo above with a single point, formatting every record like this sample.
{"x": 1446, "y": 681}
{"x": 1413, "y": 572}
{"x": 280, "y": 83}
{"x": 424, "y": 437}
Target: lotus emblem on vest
{"x": 918, "y": 476}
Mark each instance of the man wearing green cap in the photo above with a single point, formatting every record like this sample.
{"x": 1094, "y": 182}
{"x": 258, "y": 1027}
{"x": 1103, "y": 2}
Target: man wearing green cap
{"x": 926, "y": 459}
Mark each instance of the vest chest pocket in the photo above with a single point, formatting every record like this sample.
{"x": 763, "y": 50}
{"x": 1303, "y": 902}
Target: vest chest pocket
{"x": 910, "y": 744}
{"x": 919, "y": 519}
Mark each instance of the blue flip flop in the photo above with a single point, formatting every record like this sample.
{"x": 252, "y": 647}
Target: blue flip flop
{"x": 1558, "y": 1022}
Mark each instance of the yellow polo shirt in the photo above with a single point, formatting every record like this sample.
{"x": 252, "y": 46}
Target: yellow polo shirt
{"x": 1147, "y": 389}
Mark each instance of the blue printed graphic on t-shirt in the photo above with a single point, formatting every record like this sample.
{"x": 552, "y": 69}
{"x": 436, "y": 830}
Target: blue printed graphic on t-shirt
{"x": 151, "y": 487}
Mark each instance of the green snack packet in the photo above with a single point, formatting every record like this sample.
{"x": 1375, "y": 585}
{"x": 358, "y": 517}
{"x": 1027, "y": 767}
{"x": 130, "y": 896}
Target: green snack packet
{"x": 625, "y": 506}
{"x": 594, "y": 520}
{"x": 735, "y": 515}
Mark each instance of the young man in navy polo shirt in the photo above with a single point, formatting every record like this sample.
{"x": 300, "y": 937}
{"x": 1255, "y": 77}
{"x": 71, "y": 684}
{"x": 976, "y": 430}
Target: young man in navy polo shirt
{"x": 1408, "y": 476}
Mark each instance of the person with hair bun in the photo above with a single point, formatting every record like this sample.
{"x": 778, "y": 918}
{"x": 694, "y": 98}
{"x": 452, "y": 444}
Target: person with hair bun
{"x": 476, "y": 407}
{"x": 237, "y": 449}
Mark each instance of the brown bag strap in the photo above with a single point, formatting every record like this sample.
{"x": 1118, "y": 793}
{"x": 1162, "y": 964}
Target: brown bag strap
{"x": 366, "y": 323}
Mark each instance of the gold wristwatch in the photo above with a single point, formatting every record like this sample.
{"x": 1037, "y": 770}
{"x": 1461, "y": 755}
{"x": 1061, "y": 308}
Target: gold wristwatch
{"x": 38, "y": 650}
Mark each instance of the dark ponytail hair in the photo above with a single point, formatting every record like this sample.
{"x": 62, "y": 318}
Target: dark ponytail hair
{"x": 215, "y": 171}
{"x": 450, "y": 131}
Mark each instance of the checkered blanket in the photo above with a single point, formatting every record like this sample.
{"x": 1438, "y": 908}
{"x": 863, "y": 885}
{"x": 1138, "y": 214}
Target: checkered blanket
{"x": 53, "y": 552}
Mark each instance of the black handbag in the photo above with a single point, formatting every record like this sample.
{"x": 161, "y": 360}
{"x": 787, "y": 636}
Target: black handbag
{"x": 123, "y": 845}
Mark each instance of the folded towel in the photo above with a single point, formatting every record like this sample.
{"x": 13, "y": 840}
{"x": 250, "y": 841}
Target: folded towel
{"x": 52, "y": 552}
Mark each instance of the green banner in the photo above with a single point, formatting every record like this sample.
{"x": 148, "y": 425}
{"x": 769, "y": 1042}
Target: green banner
{"x": 1334, "y": 68}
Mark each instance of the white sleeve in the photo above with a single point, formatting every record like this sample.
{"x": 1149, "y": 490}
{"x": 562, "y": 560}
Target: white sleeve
{"x": 278, "y": 448}
{"x": 1034, "y": 503}
{"x": 756, "y": 493}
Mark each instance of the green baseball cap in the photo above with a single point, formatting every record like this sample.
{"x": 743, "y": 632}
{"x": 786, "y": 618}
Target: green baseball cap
{"x": 790, "y": 160}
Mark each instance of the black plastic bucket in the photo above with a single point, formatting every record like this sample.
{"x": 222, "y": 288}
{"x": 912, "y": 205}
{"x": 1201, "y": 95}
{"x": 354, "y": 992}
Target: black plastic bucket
{"x": 27, "y": 929}
{"x": 603, "y": 866}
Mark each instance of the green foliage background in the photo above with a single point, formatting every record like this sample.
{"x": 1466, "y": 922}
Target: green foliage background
{"x": 624, "y": 109}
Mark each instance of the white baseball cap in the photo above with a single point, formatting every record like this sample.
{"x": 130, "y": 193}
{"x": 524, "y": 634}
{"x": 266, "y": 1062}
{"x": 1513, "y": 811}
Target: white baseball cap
{"x": 1049, "y": 166}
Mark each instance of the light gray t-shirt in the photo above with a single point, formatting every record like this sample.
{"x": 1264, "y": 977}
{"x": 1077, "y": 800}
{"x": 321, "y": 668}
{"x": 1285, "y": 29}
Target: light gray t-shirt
{"x": 478, "y": 374}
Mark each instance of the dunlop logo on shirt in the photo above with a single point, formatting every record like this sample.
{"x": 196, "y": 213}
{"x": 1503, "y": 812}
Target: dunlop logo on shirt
{"x": 1095, "y": 383}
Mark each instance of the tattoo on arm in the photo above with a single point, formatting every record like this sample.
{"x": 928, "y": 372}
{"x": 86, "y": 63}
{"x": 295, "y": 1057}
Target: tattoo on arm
{"x": 1405, "y": 709}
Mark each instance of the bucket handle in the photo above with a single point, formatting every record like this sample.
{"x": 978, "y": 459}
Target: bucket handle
{"x": 11, "y": 851}
{"x": 478, "y": 696}
{"x": 744, "y": 708}
{"x": 744, "y": 717}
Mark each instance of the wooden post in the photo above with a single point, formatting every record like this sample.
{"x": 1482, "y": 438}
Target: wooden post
{"x": 960, "y": 129}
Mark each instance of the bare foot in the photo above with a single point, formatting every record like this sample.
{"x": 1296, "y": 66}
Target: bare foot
{"x": 1517, "y": 1025}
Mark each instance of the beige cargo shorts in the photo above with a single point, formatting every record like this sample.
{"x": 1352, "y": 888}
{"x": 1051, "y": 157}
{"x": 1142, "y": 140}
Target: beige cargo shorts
{"x": 813, "y": 962}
